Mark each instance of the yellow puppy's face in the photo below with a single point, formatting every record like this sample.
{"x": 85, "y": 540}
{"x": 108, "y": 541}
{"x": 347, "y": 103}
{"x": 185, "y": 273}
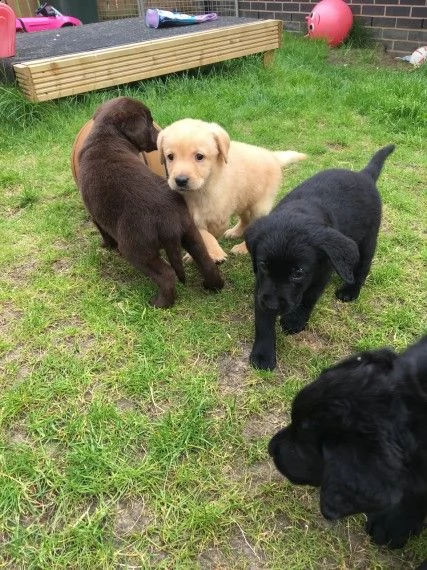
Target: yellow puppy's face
{"x": 192, "y": 151}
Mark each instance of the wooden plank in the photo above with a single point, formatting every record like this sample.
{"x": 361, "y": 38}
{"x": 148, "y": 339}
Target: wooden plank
{"x": 154, "y": 56}
{"x": 51, "y": 78}
{"x": 85, "y": 82}
{"x": 148, "y": 48}
{"x": 232, "y": 32}
{"x": 129, "y": 65}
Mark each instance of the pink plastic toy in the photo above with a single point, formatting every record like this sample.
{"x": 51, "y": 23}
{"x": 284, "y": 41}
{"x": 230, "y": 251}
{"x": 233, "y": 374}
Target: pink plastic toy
{"x": 331, "y": 20}
{"x": 47, "y": 18}
{"x": 7, "y": 31}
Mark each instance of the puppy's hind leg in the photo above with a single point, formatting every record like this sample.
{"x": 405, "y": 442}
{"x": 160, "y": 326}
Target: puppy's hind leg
{"x": 173, "y": 252}
{"x": 108, "y": 241}
{"x": 237, "y": 231}
{"x": 159, "y": 271}
{"x": 193, "y": 243}
{"x": 257, "y": 210}
{"x": 351, "y": 291}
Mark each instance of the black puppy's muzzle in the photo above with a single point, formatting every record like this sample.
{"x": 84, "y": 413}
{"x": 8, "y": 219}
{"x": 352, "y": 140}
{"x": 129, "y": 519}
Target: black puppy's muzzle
{"x": 274, "y": 303}
{"x": 269, "y": 303}
{"x": 181, "y": 182}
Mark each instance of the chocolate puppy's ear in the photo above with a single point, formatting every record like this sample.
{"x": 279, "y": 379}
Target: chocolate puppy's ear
{"x": 341, "y": 250}
{"x": 358, "y": 478}
{"x": 137, "y": 131}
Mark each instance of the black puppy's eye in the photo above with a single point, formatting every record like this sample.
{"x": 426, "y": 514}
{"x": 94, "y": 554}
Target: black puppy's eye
{"x": 199, "y": 157}
{"x": 297, "y": 274}
{"x": 170, "y": 157}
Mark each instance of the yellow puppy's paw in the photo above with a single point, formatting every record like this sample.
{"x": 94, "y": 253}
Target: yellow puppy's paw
{"x": 233, "y": 233}
{"x": 239, "y": 249}
{"x": 218, "y": 257}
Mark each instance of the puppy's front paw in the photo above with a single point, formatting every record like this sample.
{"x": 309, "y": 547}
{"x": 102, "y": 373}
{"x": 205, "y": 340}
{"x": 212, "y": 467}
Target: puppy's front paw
{"x": 292, "y": 324}
{"x": 347, "y": 293}
{"x": 232, "y": 233}
{"x": 218, "y": 257}
{"x": 214, "y": 283}
{"x": 239, "y": 249}
{"x": 262, "y": 360}
{"x": 162, "y": 301}
{"x": 393, "y": 530}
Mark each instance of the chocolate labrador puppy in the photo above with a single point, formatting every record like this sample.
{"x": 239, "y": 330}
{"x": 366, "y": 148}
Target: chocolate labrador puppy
{"x": 133, "y": 208}
{"x": 329, "y": 221}
{"x": 359, "y": 432}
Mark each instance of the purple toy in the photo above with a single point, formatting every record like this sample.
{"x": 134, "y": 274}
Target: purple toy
{"x": 331, "y": 20}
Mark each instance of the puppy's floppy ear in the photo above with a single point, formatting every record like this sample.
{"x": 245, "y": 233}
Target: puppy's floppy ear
{"x": 222, "y": 140}
{"x": 97, "y": 111}
{"x": 135, "y": 129}
{"x": 341, "y": 250}
{"x": 410, "y": 368}
{"x": 160, "y": 147}
{"x": 357, "y": 479}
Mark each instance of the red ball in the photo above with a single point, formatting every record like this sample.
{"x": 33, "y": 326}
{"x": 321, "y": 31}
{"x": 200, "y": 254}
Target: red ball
{"x": 331, "y": 20}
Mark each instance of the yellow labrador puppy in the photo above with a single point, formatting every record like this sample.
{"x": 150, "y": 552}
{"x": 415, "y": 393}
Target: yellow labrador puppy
{"x": 219, "y": 177}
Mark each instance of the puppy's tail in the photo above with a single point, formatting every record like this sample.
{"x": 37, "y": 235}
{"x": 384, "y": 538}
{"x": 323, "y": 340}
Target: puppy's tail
{"x": 286, "y": 157}
{"x": 376, "y": 163}
{"x": 174, "y": 254}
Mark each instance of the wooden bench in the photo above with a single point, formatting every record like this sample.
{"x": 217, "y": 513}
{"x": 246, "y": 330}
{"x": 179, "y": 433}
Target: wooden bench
{"x": 51, "y": 78}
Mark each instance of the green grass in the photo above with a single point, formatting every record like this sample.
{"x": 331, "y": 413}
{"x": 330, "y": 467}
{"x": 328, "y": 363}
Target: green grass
{"x": 136, "y": 438}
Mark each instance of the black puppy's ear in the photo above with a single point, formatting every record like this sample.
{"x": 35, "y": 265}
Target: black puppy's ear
{"x": 341, "y": 250}
{"x": 357, "y": 479}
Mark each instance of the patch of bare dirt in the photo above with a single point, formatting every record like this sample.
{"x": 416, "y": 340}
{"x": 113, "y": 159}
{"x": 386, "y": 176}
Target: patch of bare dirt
{"x": 73, "y": 340}
{"x": 62, "y": 266}
{"x": 242, "y": 554}
{"x": 336, "y": 146}
{"x": 126, "y": 405}
{"x": 132, "y": 517}
{"x": 8, "y": 314}
{"x": 313, "y": 340}
{"x": 234, "y": 372}
{"x": 21, "y": 273}
{"x": 259, "y": 426}
{"x": 17, "y": 435}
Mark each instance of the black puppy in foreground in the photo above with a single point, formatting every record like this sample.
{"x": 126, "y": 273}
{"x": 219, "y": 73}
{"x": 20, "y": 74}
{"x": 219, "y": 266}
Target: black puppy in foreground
{"x": 359, "y": 432}
{"x": 329, "y": 221}
{"x": 133, "y": 208}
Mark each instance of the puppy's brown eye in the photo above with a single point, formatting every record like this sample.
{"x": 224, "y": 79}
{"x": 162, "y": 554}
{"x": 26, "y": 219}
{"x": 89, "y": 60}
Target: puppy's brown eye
{"x": 199, "y": 156}
{"x": 169, "y": 157}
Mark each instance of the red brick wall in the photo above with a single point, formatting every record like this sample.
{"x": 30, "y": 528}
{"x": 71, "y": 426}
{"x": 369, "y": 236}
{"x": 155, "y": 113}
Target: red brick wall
{"x": 401, "y": 25}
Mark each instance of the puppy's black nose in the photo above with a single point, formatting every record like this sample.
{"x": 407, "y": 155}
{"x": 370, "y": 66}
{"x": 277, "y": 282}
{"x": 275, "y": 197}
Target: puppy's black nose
{"x": 181, "y": 181}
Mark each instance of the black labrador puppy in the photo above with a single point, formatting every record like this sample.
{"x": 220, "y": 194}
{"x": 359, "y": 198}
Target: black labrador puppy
{"x": 359, "y": 432}
{"x": 133, "y": 208}
{"x": 329, "y": 221}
